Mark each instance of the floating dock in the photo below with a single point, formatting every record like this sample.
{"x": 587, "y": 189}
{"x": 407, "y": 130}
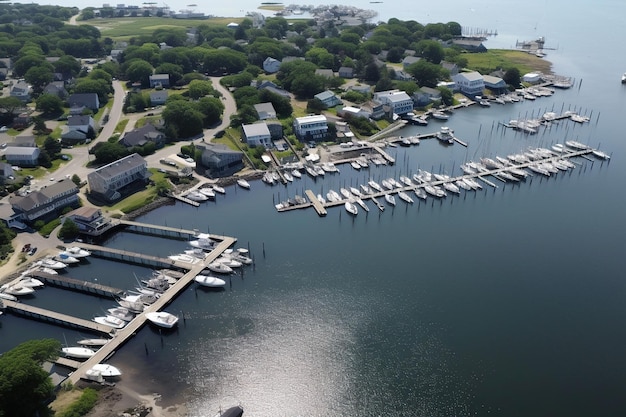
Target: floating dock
{"x": 77, "y": 285}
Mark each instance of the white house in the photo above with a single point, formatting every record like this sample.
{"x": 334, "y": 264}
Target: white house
{"x": 469, "y": 83}
{"x": 257, "y": 134}
{"x": 313, "y": 127}
{"x": 265, "y": 111}
{"x": 399, "y": 101}
{"x": 271, "y": 65}
{"x": 159, "y": 80}
{"x": 158, "y": 97}
{"x": 82, "y": 123}
{"x": 21, "y": 155}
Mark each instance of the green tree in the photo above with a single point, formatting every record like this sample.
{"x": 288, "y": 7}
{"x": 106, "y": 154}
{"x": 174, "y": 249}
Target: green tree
{"x": 425, "y": 73}
{"x": 184, "y": 118}
{"x": 69, "y": 230}
{"x": 39, "y": 76}
{"x": 173, "y": 70}
{"x": 372, "y": 73}
{"x": 67, "y": 65}
{"x": 76, "y": 180}
{"x": 106, "y": 152}
{"x": 305, "y": 86}
{"x": 139, "y": 71}
{"x": 200, "y": 88}
{"x": 52, "y": 146}
{"x": 212, "y": 109}
{"x": 447, "y": 97}
{"x": 512, "y": 77}
{"x": 24, "y": 384}
{"x": 432, "y": 51}
{"x": 49, "y": 104}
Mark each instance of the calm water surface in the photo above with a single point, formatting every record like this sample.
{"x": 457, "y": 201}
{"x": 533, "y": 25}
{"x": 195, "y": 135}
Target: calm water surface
{"x": 504, "y": 302}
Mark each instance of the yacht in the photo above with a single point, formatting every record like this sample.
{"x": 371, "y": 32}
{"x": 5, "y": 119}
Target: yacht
{"x": 51, "y": 263}
{"x": 106, "y": 370}
{"x": 576, "y": 145}
{"x": 5, "y": 296}
{"x": 243, "y": 183}
{"x": 288, "y": 176}
{"x": 355, "y": 165}
{"x": 296, "y": 173}
{"x": 93, "y": 342}
{"x": 320, "y": 198}
{"x": 453, "y": 188}
{"x": 600, "y": 155}
{"x": 351, "y": 208}
{"x": 110, "y": 321}
{"x": 445, "y": 135}
{"x": 30, "y": 282}
{"x": 420, "y": 193}
{"x": 78, "y": 252}
{"x": 374, "y": 185}
{"x": 203, "y": 241}
{"x": 230, "y": 262}
{"x": 78, "y": 352}
{"x": 219, "y": 268}
{"x": 121, "y": 313}
{"x": 162, "y": 319}
{"x": 196, "y": 196}
{"x": 209, "y": 192}
{"x": 439, "y": 115}
{"x": 209, "y": 281}
{"x": 66, "y": 258}
{"x": 345, "y": 192}
{"x": 218, "y": 189}
{"x": 405, "y": 197}
{"x": 196, "y": 253}
{"x": 17, "y": 290}
{"x": 355, "y": 191}
{"x": 183, "y": 257}
{"x": 406, "y": 180}
{"x": 390, "y": 199}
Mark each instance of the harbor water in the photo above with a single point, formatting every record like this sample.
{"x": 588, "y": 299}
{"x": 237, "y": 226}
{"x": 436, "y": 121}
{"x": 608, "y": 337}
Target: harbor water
{"x": 500, "y": 302}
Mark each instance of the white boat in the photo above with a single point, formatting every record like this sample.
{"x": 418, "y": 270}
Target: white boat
{"x": 51, "y": 263}
{"x": 219, "y": 268}
{"x": 162, "y": 319}
{"x": 196, "y": 196}
{"x": 420, "y": 193}
{"x": 599, "y": 154}
{"x": 268, "y": 178}
{"x": 445, "y": 135}
{"x": 209, "y": 281}
{"x": 319, "y": 170}
{"x": 406, "y": 180}
{"x": 332, "y": 195}
{"x": 362, "y": 162}
{"x": 78, "y": 252}
{"x": 309, "y": 170}
{"x": 355, "y": 191}
{"x": 374, "y": 185}
{"x": 351, "y": 208}
{"x": 462, "y": 184}
{"x": 5, "y": 296}
{"x": 296, "y": 173}
{"x": 243, "y": 183}
{"x": 78, "y": 352}
{"x": 17, "y": 290}
{"x": 110, "y": 321}
{"x": 321, "y": 198}
{"x": 209, "y": 192}
{"x": 355, "y": 165}
{"x": 391, "y": 200}
{"x": 93, "y": 342}
{"x": 388, "y": 185}
{"x": 484, "y": 103}
{"x": 218, "y": 189}
{"x": 576, "y": 145}
{"x": 196, "y": 253}
{"x": 183, "y": 257}
{"x": 288, "y": 176}
{"x": 66, "y": 258}
{"x": 453, "y": 188}
{"x": 230, "y": 262}
{"x": 405, "y": 197}
{"x": 380, "y": 206}
{"x": 432, "y": 191}
{"x": 365, "y": 189}
{"x": 203, "y": 242}
{"x": 439, "y": 115}
{"x": 30, "y": 282}
{"x": 121, "y": 313}
{"x": 106, "y": 370}
{"x": 48, "y": 271}
{"x": 134, "y": 306}
{"x": 361, "y": 203}
{"x": 344, "y": 192}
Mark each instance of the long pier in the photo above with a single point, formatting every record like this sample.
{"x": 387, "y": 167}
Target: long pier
{"x": 133, "y": 257}
{"x": 123, "y": 335}
{"x": 77, "y": 285}
{"x": 313, "y": 201}
{"x": 163, "y": 231}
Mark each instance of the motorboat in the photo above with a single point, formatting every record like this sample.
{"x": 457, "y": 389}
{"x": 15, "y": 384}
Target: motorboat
{"x": 406, "y": 142}
{"x": 17, "y": 290}
{"x": 218, "y": 189}
{"x": 462, "y": 184}
{"x": 78, "y": 352}
{"x": 121, "y": 313}
{"x": 48, "y": 271}
{"x": 243, "y": 183}
{"x": 268, "y": 178}
{"x": 390, "y": 199}
{"x": 445, "y": 135}
{"x": 107, "y": 371}
{"x": 93, "y": 342}
{"x": 309, "y": 170}
{"x": 576, "y": 145}
{"x": 361, "y": 203}
{"x": 453, "y": 188}
{"x": 209, "y": 192}
{"x": 51, "y": 263}
{"x": 355, "y": 191}
{"x": 439, "y": 115}
{"x": 374, "y": 185}
{"x": 484, "y": 103}
{"x": 196, "y": 253}
{"x": 78, "y": 252}
{"x": 406, "y": 180}
{"x": 110, "y": 321}
{"x": 405, "y": 197}
{"x": 158, "y": 283}
{"x": 355, "y": 165}
{"x": 420, "y": 193}
{"x": 66, "y": 258}
{"x": 162, "y": 319}
{"x": 196, "y": 196}
{"x": 5, "y": 296}
{"x": 600, "y": 155}
{"x": 220, "y": 268}
{"x": 209, "y": 281}
{"x": 133, "y": 306}
{"x": 203, "y": 242}
{"x": 365, "y": 189}
{"x": 296, "y": 173}
{"x": 183, "y": 257}
{"x": 230, "y": 262}
{"x": 288, "y": 176}
{"x": 351, "y": 208}
{"x": 319, "y": 170}
{"x": 386, "y": 184}
{"x": 363, "y": 162}
{"x": 320, "y": 198}
{"x": 30, "y": 282}
{"x": 345, "y": 192}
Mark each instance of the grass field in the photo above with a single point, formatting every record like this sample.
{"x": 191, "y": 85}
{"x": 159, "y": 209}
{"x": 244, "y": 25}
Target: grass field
{"x": 495, "y": 59}
{"x": 126, "y": 27}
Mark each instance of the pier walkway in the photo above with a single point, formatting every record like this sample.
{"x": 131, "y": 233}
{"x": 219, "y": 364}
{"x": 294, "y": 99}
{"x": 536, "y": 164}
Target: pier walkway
{"x": 163, "y": 231}
{"x": 134, "y": 257}
{"x": 77, "y": 284}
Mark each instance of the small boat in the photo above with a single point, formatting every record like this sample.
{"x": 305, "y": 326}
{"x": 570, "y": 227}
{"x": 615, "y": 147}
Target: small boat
{"x": 219, "y": 268}
{"x": 230, "y": 262}
{"x": 332, "y": 196}
{"x": 462, "y": 184}
{"x": 363, "y": 162}
{"x": 209, "y": 192}
{"x": 209, "y": 281}
{"x": 309, "y": 170}
{"x": 345, "y": 192}
{"x": 196, "y": 196}
{"x": 361, "y": 203}
{"x": 30, "y": 282}
{"x": 203, "y": 242}
{"x": 78, "y": 352}
{"x": 5, "y": 296}
{"x": 355, "y": 191}
{"x": 288, "y": 176}
{"x": 390, "y": 199}
{"x": 365, "y": 189}
{"x": 133, "y": 306}
{"x": 93, "y": 342}
{"x": 405, "y": 142}
{"x": 321, "y": 198}
{"x": 445, "y": 135}
{"x": 196, "y": 253}
{"x": 296, "y": 173}
{"x": 17, "y": 290}
{"x": 183, "y": 257}
{"x": 78, "y": 252}
{"x": 355, "y": 165}
{"x": 453, "y": 188}
{"x": 420, "y": 193}
{"x": 48, "y": 271}
{"x": 439, "y": 115}
{"x": 576, "y": 145}
{"x": 162, "y": 319}
{"x": 110, "y": 321}
{"x": 66, "y": 258}
{"x": 218, "y": 189}
{"x": 374, "y": 185}
{"x": 388, "y": 185}
{"x": 319, "y": 170}
{"x": 380, "y": 206}
{"x": 624, "y": 78}
{"x": 600, "y": 155}
{"x": 243, "y": 183}
{"x": 51, "y": 263}
{"x": 405, "y": 197}
{"x": 121, "y": 313}
{"x": 484, "y": 103}
{"x": 268, "y": 178}
{"x": 106, "y": 370}
{"x": 406, "y": 180}
{"x": 351, "y": 208}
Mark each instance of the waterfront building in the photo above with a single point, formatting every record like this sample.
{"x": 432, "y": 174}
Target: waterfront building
{"x": 314, "y": 127}
{"x": 220, "y": 160}
{"x": 46, "y": 202}
{"x": 89, "y": 220}
{"x": 111, "y": 181}
{"x": 143, "y": 135}
{"x": 257, "y": 134}
{"x": 495, "y": 84}
{"x": 470, "y": 83}
{"x": 398, "y": 100}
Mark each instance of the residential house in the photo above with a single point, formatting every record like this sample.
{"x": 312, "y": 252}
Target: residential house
{"x": 81, "y": 123}
{"x": 22, "y": 156}
{"x": 89, "y": 220}
{"x": 73, "y": 137}
{"x": 270, "y": 86}
{"x": 276, "y": 130}
{"x": 158, "y": 97}
{"x": 409, "y": 60}
{"x": 4, "y": 73}
{"x": 361, "y": 88}
{"x": 22, "y": 121}
{"x": 45, "y": 203}
{"x": 271, "y": 65}
{"x": 56, "y": 88}
{"x": 6, "y": 63}
{"x": 143, "y": 135}
{"x": 470, "y": 83}
{"x": 257, "y": 134}
{"x": 346, "y": 72}
{"x": 159, "y": 80}
{"x": 471, "y": 45}
{"x": 265, "y": 111}
{"x": 324, "y": 72}
{"x": 426, "y": 95}
{"x": 402, "y": 76}
{"x": 116, "y": 54}
{"x": 374, "y": 108}
{"x": 85, "y": 100}
{"x": 220, "y": 160}
{"x": 24, "y": 141}
{"x": 328, "y": 98}
{"x": 21, "y": 90}
{"x": 452, "y": 68}
{"x": 495, "y": 84}
{"x": 112, "y": 181}
{"x": 6, "y": 170}
{"x": 314, "y": 127}
{"x": 399, "y": 101}
{"x": 349, "y": 111}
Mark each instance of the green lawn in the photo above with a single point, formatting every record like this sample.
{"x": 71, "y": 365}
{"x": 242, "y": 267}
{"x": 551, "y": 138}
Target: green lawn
{"x": 494, "y": 59}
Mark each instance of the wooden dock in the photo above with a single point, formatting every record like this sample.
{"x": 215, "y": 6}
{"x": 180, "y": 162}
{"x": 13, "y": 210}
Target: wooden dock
{"x": 134, "y": 257}
{"x": 317, "y": 205}
{"x": 186, "y": 200}
{"x": 164, "y": 231}
{"x": 77, "y": 285}
{"x": 123, "y": 335}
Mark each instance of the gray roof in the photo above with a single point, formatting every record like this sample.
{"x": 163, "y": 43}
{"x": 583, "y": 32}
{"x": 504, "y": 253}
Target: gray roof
{"x": 121, "y": 165}
{"x": 470, "y": 76}
{"x": 157, "y": 77}
{"x": 84, "y": 99}
{"x": 139, "y": 136}
{"x": 325, "y": 95}
{"x": 44, "y": 195}
{"x": 256, "y": 129}
{"x": 20, "y": 150}
{"x": 265, "y": 110}
{"x": 78, "y": 120}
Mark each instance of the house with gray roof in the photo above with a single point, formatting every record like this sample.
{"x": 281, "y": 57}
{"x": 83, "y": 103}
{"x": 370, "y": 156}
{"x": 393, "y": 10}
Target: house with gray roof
{"x": 56, "y": 88}
{"x": 220, "y": 160}
{"x": 495, "y": 84}
{"x": 328, "y": 98}
{"x": 22, "y": 156}
{"x": 159, "y": 80}
{"x": 472, "y": 45}
{"x": 21, "y": 90}
{"x": 46, "y": 203}
{"x": 470, "y": 83}
{"x": 257, "y": 134}
{"x": 143, "y": 135}
{"x": 346, "y": 72}
{"x": 399, "y": 101}
{"x": 410, "y": 60}
{"x": 271, "y": 65}
{"x": 118, "y": 178}
{"x": 325, "y": 72}
{"x": 158, "y": 97}
{"x": 265, "y": 111}
{"x": 86, "y": 100}
{"x": 82, "y": 123}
